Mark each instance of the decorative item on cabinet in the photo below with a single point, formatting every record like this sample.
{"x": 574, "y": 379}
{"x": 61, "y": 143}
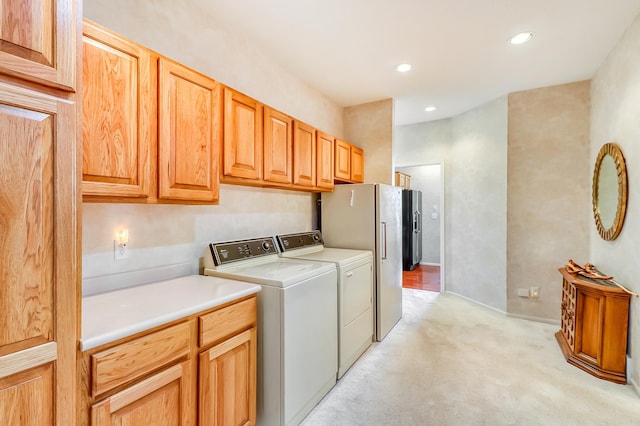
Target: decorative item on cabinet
{"x": 594, "y": 323}
{"x": 158, "y": 139}
{"x": 349, "y": 163}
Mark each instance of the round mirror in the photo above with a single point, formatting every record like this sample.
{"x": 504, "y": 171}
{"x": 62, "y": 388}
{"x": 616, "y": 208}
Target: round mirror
{"x": 609, "y": 191}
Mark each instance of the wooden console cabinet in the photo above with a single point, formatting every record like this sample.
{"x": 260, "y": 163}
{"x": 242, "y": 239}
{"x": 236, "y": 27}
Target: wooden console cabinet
{"x": 594, "y": 322}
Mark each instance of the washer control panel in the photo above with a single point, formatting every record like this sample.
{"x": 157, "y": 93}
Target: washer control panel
{"x": 232, "y": 251}
{"x": 296, "y": 241}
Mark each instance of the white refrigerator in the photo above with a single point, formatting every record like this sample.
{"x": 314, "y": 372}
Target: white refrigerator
{"x": 369, "y": 217}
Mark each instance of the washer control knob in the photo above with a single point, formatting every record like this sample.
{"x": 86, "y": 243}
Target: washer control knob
{"x": 266, "y": 246}
{"x": 316, "y": 237}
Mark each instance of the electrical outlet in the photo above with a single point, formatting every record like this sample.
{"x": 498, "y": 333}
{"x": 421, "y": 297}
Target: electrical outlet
{"x": 534, "y": 292}
{"x": 523, "y": 292}
{"x": 121, "y": 250}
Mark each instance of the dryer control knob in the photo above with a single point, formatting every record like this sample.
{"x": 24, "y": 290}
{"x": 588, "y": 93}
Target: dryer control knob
{"x": 266, "y": 246}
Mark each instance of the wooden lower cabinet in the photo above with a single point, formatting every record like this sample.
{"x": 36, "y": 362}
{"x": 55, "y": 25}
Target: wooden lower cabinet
{"x": 162, "y": 399}
{"x": 227, "y": 391}
{"x": 26, "y": 398}
{"x": 594, "y": 323}
{"x": 198, "y": 370}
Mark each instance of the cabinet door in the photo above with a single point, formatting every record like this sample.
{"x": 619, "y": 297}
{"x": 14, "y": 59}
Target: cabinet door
{"x": 242, "y": 143}
{"x": 228, "y": 382}
{"x": 304, "y": 155}
{"x": 342, "y": 160}
{"x": 277, "y": 146}
{"x": 324, "y": 158}
{"x": 357, "y": 164}
{"x": 589, "y": 320}
{"x": 118, "y": 109}
{"x": 188, "y": 144}
{"x": 161, "y": 400}
{"x": 38, "y": 41}
{"x": 37, "y": 258}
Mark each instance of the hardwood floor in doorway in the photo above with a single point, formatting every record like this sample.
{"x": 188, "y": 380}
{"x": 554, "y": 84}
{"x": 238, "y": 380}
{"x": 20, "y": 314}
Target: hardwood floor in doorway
{"x": 424, "y": 277}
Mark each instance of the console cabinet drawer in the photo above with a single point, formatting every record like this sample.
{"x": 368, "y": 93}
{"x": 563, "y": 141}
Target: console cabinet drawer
{"x": 113, "y": 367}
{"x": 226, "y": 321}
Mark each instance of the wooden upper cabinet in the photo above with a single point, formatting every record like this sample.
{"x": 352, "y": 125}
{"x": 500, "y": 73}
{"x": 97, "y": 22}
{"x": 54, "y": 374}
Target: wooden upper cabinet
{"x": 357, "y": 164}
{"x": 342, "y": 160}
{"x": 304, "y": 155}
{"x": 38, "y": 41}
{"x": 324, "y": 160}
{"x": 242, "y": 143}
{"x": 38, "y": 263}
{"x": 187, "y": 138}
{"x": 278, "y": 146}
{"x": 118, "y": 109}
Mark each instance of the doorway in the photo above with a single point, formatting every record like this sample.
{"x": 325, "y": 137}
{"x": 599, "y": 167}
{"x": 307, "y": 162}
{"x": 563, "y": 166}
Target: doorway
{"x": 429, "y": 179}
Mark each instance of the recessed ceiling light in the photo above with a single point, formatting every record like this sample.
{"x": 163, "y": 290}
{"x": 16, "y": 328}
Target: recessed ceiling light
{"x": 403, "y": 67}
{"x": 521, "y": 38}
{"x": 430, "y": 108}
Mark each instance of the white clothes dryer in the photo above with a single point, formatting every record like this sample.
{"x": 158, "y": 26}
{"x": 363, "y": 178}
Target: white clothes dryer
{"x": 355, "y": 290}
{"x": 297, "y": 325}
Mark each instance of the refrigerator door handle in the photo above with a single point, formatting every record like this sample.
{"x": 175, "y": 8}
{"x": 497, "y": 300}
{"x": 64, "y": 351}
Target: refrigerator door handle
{"x": 419, "y": 221}
{"x": 383, "y": 240}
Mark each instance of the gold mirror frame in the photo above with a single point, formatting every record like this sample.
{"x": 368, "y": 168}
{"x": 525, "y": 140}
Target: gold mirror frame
{"x": 615, "y": 152}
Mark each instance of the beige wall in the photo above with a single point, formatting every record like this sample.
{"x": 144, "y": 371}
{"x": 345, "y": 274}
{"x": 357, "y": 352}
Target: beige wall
{"x": 370, "y": 127}
{"x": 164, "y": 235}
{"x": 476, "y": 231}
{"x": 549, "y": 193}
{"x": 615, "y": 117}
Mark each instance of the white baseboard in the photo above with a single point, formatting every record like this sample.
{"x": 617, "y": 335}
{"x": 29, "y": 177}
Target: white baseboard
{"x": 536, "y": 319}
{"x": 429, "y": 264}
{"x": 630, "y": 380}
{"x": 476, "y": 302}
{"x": 524, "y": 317}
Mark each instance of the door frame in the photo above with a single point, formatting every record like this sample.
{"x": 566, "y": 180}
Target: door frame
{"x": 442, "y": 218}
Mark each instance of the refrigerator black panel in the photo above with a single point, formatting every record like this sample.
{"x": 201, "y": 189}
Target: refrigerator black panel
{"x": 411, "y": 229}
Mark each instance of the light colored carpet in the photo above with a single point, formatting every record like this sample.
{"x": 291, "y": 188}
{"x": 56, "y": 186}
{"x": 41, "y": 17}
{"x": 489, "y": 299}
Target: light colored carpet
{"x": 451, "y": 362}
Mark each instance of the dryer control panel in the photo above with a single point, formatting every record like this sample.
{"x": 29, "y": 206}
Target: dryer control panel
{"x": 300, "y": 240}
{"x": 233, "y": 251}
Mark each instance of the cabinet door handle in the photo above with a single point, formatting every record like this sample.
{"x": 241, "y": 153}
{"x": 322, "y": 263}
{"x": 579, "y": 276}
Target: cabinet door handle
{"x": 349, "y": 274}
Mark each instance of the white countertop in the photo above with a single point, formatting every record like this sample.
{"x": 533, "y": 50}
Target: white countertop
{"x": 110, "y": 316}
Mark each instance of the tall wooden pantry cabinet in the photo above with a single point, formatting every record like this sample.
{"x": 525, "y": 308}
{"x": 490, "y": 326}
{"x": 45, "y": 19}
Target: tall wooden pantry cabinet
{"x": 39, "y": 245}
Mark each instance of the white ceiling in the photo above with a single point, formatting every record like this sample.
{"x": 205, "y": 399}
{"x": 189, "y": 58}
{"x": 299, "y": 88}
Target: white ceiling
{"x": 348, "y": 49}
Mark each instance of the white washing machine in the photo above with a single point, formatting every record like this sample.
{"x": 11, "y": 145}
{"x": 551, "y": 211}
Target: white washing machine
{"x": 297, "y": 325}
{"x": 355, "y": 290}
